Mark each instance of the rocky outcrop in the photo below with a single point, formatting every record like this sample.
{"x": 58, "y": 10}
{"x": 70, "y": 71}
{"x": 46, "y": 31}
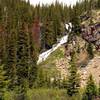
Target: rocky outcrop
{"x": 93, "y": 68}
{"x": 79, "y": 46}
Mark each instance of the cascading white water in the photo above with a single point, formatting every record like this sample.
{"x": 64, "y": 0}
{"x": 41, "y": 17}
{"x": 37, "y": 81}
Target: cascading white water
{"x": 43, "y": 56}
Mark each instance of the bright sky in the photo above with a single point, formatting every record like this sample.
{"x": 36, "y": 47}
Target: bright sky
{"x": 68, "y": 2}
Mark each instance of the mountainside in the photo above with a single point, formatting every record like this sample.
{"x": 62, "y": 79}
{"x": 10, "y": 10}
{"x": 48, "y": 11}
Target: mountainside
{"x": 49, "y": 51}
{"x": 59, "y": 59}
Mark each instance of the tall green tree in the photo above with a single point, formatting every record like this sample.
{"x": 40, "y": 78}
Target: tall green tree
{"x": 49, "y": 34}
{"x": 90, "y": 50}
{"x": 73, "y": 83}
{"x": 33, "y": 56}
{"x": 22, "y": 56}
{"x": 98, "y": 4}
{"x": 3, "y": 82}
{"x": 91, "y": 89}
{"x": 10, "y": 66}
{"x": 99, "y": 90}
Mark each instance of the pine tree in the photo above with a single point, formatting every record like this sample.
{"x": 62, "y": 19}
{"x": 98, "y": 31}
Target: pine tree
{"x": 91, "y": 89}
{"x": 64, "y": 83}
{"x": 10, "y": 65}
{"x": 40, "y": 82}
{"x": 49, "y": 34}
{"x": 22, "y": 58}
{"x": 90, "y": 51}
{"x": 98, "y": 4}
{"x": 73, "y": 83}
{"x": 32, "y": 70}
{"x": 99, "y": 90}
{"x": 57, "y": 26}
{"x": 17, "y": 51}
{"x": 3, "y": 82}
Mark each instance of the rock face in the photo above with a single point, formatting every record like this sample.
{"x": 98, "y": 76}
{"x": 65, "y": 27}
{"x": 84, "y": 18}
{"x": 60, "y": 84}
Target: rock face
{"x": 79, "y": 46}
{"x": 93, "y": 68}
{"x": 91, "y": 29}
{"x": 62, "y": 66}
{"x": 91, "y": 34}
{"x": 85, "y": 66}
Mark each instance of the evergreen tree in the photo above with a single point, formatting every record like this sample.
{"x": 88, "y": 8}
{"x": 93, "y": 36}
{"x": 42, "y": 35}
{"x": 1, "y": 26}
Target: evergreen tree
{"x": 40, "y": 82}
{"x": 90, "y": 51}
{"x": 91, "y": 89}
{"x": 57, "y": 27}
{"x": 3, "y": 82}
{"x": 99, "y": 90}
{"x": 32, "y": 70}
{"x": 10, "y": 66}
{"x": 73, "y": 83}
{"x": 64, "y": 83}
{"x": 49, "y": 34}
{"x": 22, "y": 59}
{"x": 98, "y": 4}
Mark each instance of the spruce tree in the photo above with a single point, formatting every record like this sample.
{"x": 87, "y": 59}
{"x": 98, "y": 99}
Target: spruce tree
{"x": 98, "y": 4}
{"x": 91, "y": 89}
{"x": 32, "y": 70}
{"x": 64, "y": 83}
{"x": 40, "y": 82}
{"x": 99, "y": 90}
{"x": 32, "y": 54}
{"x": 10, "y": 66}
{"x": 73, "y": 83}
{"x": 22, "y": 59}
{"x": 49, "y": 34}
{"x": 90, "y": 50}
{"x": 3, "y": 82}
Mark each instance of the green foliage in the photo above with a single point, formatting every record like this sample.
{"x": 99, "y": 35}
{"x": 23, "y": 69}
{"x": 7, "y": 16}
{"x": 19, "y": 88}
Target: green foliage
{"x": 90, "y": 50}
{"x": 99, "y": 90}
{"x": 73, "y": 83}
{"x": 42, "y": 79}
{"x": 43, "y": 94}
{"x": 98, "y": 4}
{"x": 10, "y": 66}
{"x": 91, "y": 89}
{"x": 46, "y": 94}
{"x": 17, "y": 46}
{"x": 9, "y": 95}
{"x": 3, "y": 82}
{"x": 18, "y": 53}
{"x": 50, "y": 38}
{"x": 48, "y": 79}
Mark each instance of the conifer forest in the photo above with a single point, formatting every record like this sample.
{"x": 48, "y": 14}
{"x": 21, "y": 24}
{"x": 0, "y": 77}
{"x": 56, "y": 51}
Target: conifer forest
{"x": 49, "y": 51}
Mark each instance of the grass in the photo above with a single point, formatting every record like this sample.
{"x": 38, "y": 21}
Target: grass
{"x": 51, "y": 94}
{"x": 59, "y": 53}
{"x": 44, "y": 94}
{"x": 49, "y": 65}
{"x": 9, "y": 95}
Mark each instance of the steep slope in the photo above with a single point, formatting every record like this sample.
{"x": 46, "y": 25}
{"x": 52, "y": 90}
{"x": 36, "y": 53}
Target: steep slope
{"x": 93, "y": 68}
{"x": 91, "y": 29}
{"x": 50, "y": 63}
{"x": 58, "y": 62}
{"x": 44, "y": 55}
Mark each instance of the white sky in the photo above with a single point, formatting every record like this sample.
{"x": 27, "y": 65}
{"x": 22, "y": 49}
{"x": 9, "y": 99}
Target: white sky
{"x": 68, "y": 2}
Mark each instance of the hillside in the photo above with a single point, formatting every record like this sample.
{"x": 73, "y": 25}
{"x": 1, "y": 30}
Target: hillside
{"x": 59, "y": 59}
{"x": 58, "y": 62}
{"x": 95, "y": 17}
{"x": 91, "y": 28}
{"x": 50, "y": 51}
